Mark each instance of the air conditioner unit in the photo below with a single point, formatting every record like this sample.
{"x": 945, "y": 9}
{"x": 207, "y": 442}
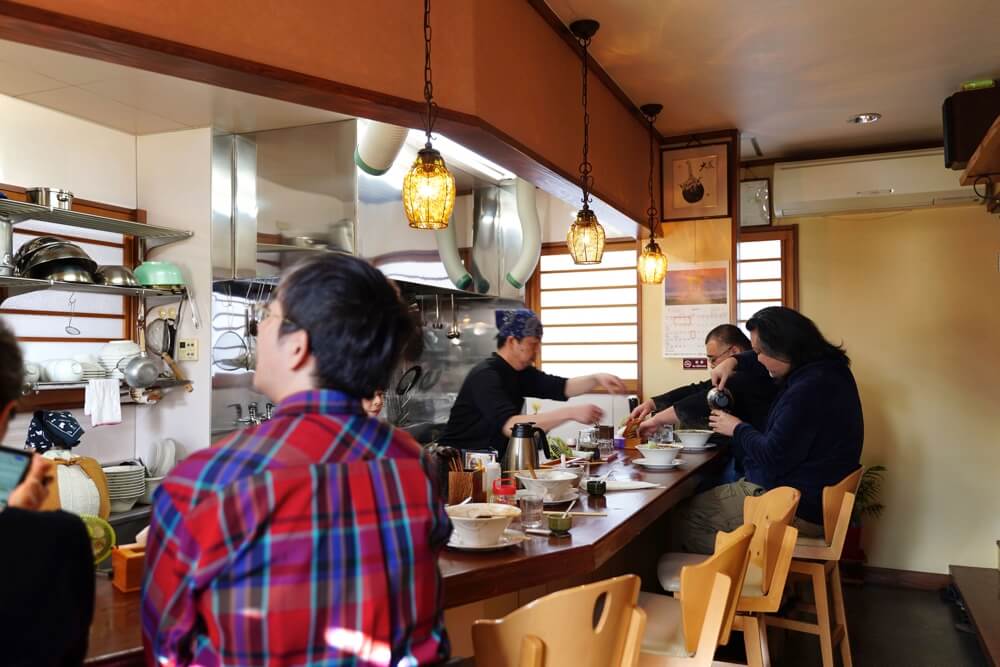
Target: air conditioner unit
{"x": 888, "y": 181}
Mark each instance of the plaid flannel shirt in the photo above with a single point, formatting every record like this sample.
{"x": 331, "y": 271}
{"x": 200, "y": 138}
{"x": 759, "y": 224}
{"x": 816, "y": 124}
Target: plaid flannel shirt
{"x": 311, "y": 539}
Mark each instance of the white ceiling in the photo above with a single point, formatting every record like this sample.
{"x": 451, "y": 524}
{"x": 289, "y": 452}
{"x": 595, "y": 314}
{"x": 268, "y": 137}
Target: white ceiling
{"x": 790, "y": 72}
{"x": 139, "y": 102}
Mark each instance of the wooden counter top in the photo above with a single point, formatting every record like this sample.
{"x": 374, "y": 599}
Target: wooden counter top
{"x": 115, "y": 635}
{"x": 980, "y": 588}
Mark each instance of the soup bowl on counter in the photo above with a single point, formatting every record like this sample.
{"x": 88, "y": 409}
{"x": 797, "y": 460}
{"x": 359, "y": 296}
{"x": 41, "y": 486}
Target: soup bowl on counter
{"x": 550, "y": 484}
{"x": 480, "y": 524}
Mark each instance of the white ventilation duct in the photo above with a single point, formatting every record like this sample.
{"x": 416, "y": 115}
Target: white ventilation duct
{"x": 378, "y": 148}
{"x": 447, "y": 245}
{"x": 531, "y": 235}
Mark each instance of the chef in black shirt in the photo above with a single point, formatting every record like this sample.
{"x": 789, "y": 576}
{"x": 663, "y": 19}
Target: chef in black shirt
{"x": 492, "y": 396}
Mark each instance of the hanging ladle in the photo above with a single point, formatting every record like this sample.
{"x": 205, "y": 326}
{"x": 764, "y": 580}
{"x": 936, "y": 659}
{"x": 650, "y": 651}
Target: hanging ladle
{"x": 454, "y": 332}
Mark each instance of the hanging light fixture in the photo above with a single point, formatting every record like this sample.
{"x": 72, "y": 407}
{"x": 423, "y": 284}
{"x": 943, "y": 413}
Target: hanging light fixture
{"x": 586, "y": 236}
{"x": 428, "y": 187}
{"x": 652, "y": 264}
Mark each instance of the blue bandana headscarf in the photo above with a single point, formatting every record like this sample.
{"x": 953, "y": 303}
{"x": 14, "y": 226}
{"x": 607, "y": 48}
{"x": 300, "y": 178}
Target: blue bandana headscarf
{"x": 518, "y": 323}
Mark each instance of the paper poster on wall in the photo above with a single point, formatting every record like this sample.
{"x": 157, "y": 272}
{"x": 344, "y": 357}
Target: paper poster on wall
{"x": 695, "y": 299}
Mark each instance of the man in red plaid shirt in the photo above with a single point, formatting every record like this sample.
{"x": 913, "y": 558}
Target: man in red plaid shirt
{"x": 313, "y": 538}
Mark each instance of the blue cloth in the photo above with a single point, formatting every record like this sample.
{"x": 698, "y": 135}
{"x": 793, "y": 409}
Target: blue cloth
{"x": 518, "y": 323}
{"x": 50, "y": 429}
{"x": 814, "y": 434}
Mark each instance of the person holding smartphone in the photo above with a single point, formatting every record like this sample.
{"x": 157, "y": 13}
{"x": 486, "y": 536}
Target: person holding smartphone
{"x": 47, "y": 595}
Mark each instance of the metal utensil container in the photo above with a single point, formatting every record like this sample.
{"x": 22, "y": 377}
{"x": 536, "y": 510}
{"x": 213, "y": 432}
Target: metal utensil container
{"x": 51, "y": 197}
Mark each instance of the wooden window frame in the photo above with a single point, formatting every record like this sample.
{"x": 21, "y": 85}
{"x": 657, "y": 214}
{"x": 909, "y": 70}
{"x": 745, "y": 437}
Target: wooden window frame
{"x": 533, "y": 300}
{"x": 788, "y": 235}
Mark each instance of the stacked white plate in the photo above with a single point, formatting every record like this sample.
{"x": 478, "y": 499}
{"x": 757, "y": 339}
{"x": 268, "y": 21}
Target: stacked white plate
{"x": 94, "y": 371}
{"x": 126, "y": 484}
{"x": 112, "y": 354}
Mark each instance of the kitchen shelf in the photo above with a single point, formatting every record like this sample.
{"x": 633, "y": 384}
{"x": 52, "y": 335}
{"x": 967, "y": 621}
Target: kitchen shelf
{"x": 282, "y": 248}
{"x": 14, "y": 286}
{"x": 161, "y": 383}
{"x": 17, "y": 211}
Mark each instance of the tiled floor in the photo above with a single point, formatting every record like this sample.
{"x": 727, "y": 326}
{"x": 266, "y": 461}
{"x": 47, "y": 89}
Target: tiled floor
{"x": 890, "y": 627}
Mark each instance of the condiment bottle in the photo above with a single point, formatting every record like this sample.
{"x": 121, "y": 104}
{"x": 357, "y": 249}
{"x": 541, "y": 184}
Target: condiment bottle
{"x": 505, "y": 491}
{"x": 490, "y": 475}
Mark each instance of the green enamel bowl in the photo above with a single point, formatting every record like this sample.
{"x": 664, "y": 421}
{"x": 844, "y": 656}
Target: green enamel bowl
{"x": 159, "y": 273}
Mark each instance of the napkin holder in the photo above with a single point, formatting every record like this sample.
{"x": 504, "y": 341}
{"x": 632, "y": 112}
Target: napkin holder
{"x": 466, "y": 483}
{"x": 128, "y": 562}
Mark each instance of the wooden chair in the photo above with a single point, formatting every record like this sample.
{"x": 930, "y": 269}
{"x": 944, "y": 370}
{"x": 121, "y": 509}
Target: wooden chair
{"x": 686, "y": 630}
{"x": 595, "y": 624}
{"x": 816, "y": 560}
{"x": 770, "y": 559}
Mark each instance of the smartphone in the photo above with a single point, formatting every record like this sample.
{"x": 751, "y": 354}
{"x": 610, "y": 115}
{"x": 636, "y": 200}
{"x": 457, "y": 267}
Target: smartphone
{"x": 14, "y": 464}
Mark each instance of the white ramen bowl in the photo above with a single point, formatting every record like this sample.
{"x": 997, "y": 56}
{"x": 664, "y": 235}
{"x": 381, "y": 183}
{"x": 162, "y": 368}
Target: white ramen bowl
{"x": 480, "y": 524}
{"x": 551, "y": 484}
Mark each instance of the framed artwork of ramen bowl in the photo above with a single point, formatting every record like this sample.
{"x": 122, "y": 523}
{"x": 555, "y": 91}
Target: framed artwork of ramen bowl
{"x": 695, "y": 182}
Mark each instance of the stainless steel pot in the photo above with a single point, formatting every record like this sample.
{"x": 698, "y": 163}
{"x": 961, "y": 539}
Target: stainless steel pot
{"x": 6, "y": 248}
{"x": 119, "y": 276}
{"x": 51, "y": 197}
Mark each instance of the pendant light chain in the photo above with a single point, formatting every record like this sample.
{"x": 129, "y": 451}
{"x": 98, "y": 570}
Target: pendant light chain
{"x": 432, "y": 107}
{"x": 586, "y": 179}
{"x": 651, "y": 211}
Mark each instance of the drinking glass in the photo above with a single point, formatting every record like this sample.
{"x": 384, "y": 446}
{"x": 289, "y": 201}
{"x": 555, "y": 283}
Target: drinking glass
{"x": 585, "y": 439}
{"x": 665, "y": 434}
{"x": 605, "y": 448}
{"x": 531, "y": 511}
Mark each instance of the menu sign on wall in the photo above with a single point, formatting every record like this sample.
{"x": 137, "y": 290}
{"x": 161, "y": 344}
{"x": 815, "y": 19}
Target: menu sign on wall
{"x": 695, "y": 300}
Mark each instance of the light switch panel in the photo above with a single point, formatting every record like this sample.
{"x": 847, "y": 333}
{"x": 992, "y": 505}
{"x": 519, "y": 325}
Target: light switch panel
{"x": 187, "y": 349}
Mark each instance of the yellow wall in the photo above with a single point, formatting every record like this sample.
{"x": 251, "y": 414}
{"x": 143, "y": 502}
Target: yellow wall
{"x": 695, "y": 241}
{"x": 915, "y": 298}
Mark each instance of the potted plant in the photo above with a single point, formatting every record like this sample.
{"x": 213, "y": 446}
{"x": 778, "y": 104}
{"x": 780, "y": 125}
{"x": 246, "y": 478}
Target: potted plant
{"x": 867, "y": 505}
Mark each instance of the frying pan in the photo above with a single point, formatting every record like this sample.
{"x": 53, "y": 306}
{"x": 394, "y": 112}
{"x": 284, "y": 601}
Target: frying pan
{"x": 408, "y": 380}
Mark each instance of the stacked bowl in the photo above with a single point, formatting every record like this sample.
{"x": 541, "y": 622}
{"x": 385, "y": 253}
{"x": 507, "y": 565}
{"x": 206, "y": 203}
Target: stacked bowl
{"x": 126, "y": 484}
{"x": 112, "y": 355}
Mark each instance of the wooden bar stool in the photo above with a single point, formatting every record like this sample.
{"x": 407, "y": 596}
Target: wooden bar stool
{"x": 770, "y": 559}
{"x": 816, "y": 560}
{"x": 687, "y": 630}
{"x": 594, "y": 624}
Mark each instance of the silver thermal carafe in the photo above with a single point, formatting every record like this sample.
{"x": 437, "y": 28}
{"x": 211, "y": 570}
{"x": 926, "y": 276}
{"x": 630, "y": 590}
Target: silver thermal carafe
{"x": 522, "y": 448}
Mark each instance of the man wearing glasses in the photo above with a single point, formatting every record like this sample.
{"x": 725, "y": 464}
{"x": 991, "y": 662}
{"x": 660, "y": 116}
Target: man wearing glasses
{"x": 688, "y": 405}
{"x": 312, "y": 538}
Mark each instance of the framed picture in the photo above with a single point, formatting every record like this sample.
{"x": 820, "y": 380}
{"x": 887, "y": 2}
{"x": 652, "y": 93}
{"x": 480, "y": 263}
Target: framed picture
{"x": 695, "y": 182}
{"x": 755, "y": 202}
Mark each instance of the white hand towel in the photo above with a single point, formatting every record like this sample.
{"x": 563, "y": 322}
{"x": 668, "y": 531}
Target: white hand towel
{"x": 102, "y": 402}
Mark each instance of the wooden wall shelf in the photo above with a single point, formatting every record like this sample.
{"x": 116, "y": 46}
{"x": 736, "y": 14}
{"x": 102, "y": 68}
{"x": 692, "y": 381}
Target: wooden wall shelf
{"x": 986, "y": 160}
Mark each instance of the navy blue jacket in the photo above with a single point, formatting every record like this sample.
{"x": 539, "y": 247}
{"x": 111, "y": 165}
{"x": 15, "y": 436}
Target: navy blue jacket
{"x": 814, "y": 434}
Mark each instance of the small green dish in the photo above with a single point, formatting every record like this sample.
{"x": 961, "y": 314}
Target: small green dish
{"x": 159, "y": 273}
{"x": 596, "y": 487}
{"x": 559, "y": 524}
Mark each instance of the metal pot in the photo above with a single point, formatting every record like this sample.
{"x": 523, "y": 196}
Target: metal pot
{"x": 6, "y": 248}
{"x": 66, "y": 253}
{"x": 119, "y": 276}
{"x": 51, "y": 197}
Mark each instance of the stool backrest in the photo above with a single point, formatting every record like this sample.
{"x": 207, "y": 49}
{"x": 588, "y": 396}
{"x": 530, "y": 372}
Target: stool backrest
{"x": 770, "y": 513}
{"x": 732, "y": 553}
{"x": 594, "y": 624}
{"x": 833, "y": 503}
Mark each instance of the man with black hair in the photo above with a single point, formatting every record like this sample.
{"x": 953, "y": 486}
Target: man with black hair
{"x": 492, "y": 395}
{"x": 312, "y": 538}
{"x": 752, "y": 389}
{"x": 47, "y": 590}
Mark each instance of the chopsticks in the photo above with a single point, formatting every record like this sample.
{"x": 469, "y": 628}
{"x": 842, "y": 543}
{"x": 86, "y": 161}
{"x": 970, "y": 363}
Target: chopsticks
{"x": 577, "y": 513}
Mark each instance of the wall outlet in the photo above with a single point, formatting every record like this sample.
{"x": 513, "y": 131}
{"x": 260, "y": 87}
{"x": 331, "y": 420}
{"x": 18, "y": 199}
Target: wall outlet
{"x": 187, "y": 349}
